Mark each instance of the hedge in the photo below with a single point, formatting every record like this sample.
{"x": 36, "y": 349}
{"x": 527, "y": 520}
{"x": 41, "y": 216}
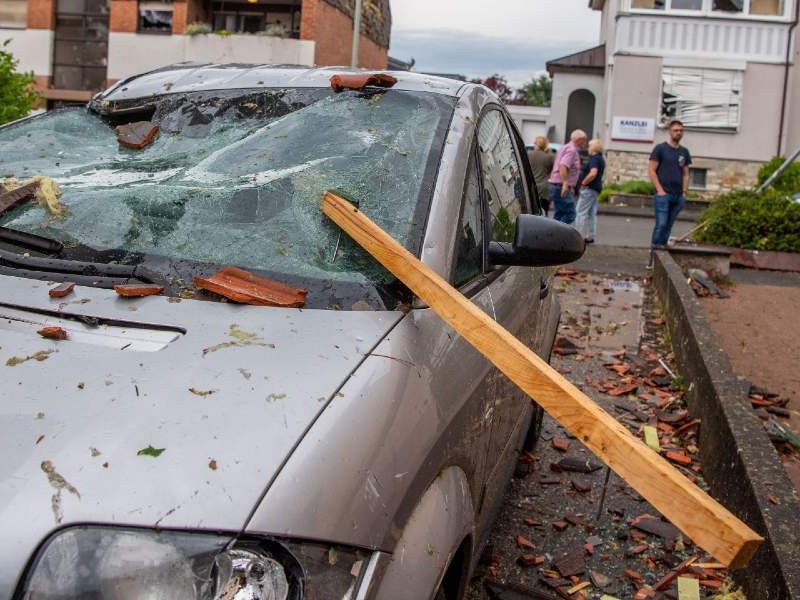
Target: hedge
{"x": 744, "y": 219}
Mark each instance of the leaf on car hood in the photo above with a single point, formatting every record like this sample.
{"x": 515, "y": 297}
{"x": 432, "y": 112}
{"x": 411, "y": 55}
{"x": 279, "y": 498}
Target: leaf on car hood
{"x": 150, "y": 451}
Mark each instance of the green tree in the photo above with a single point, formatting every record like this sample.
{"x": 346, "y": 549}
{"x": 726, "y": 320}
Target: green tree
{"x": 17, "y": 95}
{"x": 537, "y": 92}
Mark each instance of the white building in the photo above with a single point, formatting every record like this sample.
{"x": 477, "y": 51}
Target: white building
{"x": 726, "y": 68}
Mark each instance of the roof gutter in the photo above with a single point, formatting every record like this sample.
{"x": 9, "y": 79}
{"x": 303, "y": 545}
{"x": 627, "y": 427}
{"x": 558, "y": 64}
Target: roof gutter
{"x": 786, "y": 74}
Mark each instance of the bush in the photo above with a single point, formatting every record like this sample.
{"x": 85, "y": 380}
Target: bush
{"x": 198, "y": 28}
{"x": 789, "y": 180}
{"x": 17, "y": 95}
{"x": 744, "y": 219}
{"x": 634, "y": 186}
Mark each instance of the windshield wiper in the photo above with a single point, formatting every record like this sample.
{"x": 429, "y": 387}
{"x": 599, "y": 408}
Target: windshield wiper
{"x": 30, "y": 240}
{"x": 93, "y": 274}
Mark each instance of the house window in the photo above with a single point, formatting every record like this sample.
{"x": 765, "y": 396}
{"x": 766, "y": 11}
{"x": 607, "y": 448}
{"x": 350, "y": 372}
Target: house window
{"x": 703, "y": 98}
{"x": 14, "y": 14}
{"x": 756, "y": 8}
{"x": 155, "y": 17}
{"x": 256, "y": 16}
{"x": 697, "y": 178}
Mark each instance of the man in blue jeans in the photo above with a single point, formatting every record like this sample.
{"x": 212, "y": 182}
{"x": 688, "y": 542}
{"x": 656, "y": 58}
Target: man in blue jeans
{"x": 669, "y": 174}
{"x": 564, "y": 177}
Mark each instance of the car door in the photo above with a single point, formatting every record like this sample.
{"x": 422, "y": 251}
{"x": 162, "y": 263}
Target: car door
{"x": 513, "y": 292}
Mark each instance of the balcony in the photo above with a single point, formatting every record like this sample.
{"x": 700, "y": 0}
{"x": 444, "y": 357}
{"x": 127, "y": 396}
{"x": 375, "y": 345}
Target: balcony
{"x": 702, "y": 37}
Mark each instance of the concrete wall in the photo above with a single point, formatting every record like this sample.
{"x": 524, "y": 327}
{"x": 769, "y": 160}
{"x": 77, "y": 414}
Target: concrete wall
{"x": 635, "y": 92}
{"x": 563, "y": 85}
{"x": 131, "y": 53}
{"x": 33, "y": 48}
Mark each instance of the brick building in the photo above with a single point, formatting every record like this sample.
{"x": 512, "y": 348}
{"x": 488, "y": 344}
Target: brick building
{"x": 78, "y": 47}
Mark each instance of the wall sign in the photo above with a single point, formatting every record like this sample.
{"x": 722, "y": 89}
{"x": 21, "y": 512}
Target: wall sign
{"x": 633, "y": 129}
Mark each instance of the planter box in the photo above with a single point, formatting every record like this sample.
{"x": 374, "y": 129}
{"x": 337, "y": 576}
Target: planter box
{"x": 714, "y": 260}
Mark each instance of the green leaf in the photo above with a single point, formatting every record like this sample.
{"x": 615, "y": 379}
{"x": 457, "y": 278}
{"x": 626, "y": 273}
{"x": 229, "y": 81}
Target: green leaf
{"x": 150, "y": 451}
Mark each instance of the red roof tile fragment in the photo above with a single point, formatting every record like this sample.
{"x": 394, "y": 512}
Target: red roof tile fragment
{"x": 53, "y": 333}
{"x": 358, "y": 81}
{"x": 245, "y": 287}
{"x": 136, "y": 135}
{"x": 137, "y": 290}
{"x": 61, "y": 290}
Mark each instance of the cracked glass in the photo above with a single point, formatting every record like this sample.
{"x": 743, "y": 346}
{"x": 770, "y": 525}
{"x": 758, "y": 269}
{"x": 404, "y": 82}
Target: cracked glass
{"x": 236, "y": 178}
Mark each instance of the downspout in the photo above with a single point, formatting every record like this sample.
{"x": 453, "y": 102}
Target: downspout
{"x": 786, "y": 74}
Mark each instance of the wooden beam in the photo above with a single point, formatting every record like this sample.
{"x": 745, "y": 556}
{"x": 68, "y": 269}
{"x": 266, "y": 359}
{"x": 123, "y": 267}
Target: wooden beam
{"x": 706, "y": 522}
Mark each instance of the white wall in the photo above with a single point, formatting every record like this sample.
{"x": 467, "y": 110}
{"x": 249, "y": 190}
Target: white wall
{"x": 635, "y": 91}
{"x": 132, "y": 53}
{"x": 530, "y": 120}
{"x": 563, "y": 85}
{"x": 32, "y": 47}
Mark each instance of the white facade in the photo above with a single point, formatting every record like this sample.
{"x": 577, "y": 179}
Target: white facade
{"x": 720, "y": 72}
{"x": 132, "y": 53}
{"x": 532, "y": 121}
{"x": 564, "y": 86}
{"x": 32, "y": 47}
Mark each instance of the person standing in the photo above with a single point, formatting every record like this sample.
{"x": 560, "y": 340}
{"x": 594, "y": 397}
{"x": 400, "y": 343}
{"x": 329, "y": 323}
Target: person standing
{"x": 591, "y": 183}
{"x": 564, "y": 177}
{"x": 541, "y": 160}
{"x": 669, "y": 174}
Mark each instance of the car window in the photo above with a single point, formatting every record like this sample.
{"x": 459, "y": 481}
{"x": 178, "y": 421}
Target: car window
{"x": 469, "y": 243}
{"x": 502, "y": 176}
{"x": 236, "y": 178}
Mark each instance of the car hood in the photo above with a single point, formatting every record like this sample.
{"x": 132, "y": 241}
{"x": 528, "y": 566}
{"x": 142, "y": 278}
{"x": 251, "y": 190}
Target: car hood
{"x": 158, "y": 412}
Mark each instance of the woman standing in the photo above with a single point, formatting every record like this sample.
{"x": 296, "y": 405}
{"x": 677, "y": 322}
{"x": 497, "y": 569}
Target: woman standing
{"x": 541, "y": 160}
{"x": 591, "y": 183}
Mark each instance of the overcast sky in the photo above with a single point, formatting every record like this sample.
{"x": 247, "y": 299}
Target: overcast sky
{"x": 477, "y": 38}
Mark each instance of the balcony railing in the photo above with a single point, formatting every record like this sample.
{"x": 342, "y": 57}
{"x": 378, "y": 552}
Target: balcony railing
{"x": 702, "y": 38}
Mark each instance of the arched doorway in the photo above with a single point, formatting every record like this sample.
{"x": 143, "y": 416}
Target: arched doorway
{"x": 580, "y": 113}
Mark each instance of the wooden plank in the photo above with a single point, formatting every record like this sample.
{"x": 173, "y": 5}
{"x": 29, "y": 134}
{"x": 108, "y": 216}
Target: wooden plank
{"x": 700, "y": 517}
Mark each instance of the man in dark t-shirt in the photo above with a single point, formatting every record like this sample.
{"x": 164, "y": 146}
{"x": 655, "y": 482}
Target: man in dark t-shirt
{"x": 669, "y": 173}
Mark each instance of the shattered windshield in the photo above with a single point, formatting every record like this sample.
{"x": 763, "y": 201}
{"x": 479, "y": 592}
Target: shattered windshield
{"x": 236, "y": 178}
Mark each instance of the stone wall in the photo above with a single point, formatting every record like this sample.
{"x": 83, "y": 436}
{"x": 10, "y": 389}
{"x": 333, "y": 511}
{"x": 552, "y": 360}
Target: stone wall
{"x": 721, "y": 176}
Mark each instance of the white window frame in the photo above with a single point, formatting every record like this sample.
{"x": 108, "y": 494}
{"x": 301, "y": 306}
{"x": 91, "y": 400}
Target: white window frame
{"x": 700, "y": 105}
{"x": 707, "y": 11}
{"x": 17, "y": 25}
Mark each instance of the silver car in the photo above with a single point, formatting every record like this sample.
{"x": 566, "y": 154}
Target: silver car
{"x": 181, "y": 446}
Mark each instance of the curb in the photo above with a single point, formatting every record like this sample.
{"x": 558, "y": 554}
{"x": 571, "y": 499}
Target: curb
{"x": 646, "y": 212}
{"x": 739, "y": 462}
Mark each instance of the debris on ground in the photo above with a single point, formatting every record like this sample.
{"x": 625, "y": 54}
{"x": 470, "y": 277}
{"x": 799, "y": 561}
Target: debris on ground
{"x": 594, "y": 536}
{"x": 703, "y": 285}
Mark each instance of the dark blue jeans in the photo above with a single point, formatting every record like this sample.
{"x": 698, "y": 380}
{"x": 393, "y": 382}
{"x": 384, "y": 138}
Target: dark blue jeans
{"x": 666, "y": 209}
{"x": 564, "y": 206}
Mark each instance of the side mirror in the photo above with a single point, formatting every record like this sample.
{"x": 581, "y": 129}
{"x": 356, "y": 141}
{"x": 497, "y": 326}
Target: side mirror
{"x": 538, "y": 242}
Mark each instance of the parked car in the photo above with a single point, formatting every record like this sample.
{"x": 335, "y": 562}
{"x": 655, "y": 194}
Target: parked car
{"x": 181, "y": 446}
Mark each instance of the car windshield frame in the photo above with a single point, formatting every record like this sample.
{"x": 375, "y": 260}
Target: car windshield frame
{"x": 410, "y": 148}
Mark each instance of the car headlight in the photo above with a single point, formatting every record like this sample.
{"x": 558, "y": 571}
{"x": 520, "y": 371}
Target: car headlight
{"x": 113, "y": 563}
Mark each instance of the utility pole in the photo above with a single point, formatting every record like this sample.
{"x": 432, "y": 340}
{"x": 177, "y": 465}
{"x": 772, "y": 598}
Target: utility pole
{"x": 356, "y": 34}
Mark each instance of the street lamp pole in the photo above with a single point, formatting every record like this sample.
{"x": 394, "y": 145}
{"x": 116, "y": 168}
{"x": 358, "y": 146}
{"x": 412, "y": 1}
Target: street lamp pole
{"x": 356, "y": 34}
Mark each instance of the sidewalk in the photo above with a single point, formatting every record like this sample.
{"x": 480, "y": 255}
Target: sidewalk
{"x": 569, "y": 527}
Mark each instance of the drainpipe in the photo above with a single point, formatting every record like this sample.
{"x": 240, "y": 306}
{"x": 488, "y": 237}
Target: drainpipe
{"x": 786, "y": 74}
{"x": 357, "y": 34}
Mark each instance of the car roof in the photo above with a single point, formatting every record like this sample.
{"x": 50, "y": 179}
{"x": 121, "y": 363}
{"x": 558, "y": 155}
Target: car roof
{"x": 194, "y": 77}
